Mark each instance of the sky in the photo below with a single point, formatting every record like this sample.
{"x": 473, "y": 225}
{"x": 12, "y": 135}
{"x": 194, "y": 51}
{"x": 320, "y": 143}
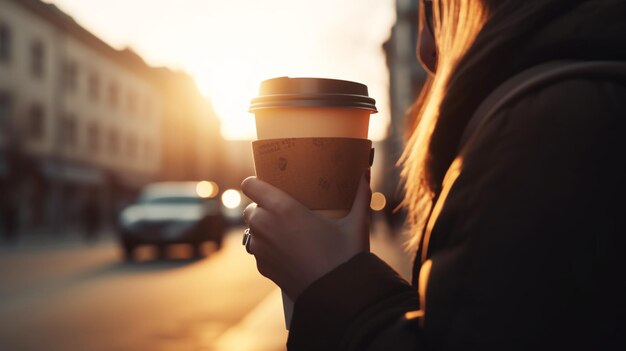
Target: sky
{"x": 230, "y": 46}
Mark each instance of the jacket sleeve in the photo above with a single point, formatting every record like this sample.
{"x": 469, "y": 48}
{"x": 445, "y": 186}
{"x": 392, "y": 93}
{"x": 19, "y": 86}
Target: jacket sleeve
{"x": 357, "y": 306}
{"x": 525, "y": 250}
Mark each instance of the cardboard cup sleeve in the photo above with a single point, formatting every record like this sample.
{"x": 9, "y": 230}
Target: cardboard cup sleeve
{"x": 321, "y": 173}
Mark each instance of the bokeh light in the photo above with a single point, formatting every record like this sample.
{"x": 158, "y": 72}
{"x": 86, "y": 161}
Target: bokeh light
{"x": 206, "y": 189}
{"x": 378, "y": 202}
{"x": 231, "y": 198}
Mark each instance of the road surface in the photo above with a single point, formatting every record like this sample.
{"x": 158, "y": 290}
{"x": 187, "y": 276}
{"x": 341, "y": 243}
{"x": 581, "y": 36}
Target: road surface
{"x": 63, "y": 294}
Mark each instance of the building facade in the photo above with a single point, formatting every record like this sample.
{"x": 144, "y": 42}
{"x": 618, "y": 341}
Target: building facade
{"x": 192, "y": 147}
{"x": 80, "y": 122}
{"x": 406, "y": 78}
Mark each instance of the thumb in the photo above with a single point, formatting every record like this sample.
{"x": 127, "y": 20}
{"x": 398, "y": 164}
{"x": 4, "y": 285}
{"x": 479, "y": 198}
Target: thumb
{"x": 361, "y": 205}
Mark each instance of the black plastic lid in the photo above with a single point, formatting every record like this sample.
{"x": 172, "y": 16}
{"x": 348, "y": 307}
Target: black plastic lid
{"x": 312, "y": 92}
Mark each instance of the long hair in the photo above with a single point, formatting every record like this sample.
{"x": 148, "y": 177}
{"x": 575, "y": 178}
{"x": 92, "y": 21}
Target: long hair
{"x": 456, "y": 25}
{"x": 476, "y": 42}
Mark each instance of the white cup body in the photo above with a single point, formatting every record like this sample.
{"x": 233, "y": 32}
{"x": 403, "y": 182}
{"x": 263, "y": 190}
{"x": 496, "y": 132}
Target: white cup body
{"x": 310, "y": 122}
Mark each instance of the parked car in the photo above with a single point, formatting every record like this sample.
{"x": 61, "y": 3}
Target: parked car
{"x": 172, "y": 213}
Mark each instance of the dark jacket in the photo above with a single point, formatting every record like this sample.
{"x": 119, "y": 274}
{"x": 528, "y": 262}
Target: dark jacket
{"x": 527, "y": 250}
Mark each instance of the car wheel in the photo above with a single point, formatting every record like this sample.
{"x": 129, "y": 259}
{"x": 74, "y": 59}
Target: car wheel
{"x": 129, "y": 250}
{"x": 161, "y": 251}
{"x": 218, "y": 243}
{"x": 196, "y": 250}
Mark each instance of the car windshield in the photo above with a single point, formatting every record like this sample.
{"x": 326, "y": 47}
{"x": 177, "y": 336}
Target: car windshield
{"x": 172, "y": 200}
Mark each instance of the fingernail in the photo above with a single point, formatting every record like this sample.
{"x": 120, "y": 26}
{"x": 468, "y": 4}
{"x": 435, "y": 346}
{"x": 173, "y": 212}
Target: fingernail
{"x": 246, "y": 180}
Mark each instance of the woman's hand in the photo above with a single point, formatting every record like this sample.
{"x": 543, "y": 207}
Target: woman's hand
{"x": 295, "y": 246}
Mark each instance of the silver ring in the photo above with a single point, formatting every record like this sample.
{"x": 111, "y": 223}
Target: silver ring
{"x": 246, "y": 240}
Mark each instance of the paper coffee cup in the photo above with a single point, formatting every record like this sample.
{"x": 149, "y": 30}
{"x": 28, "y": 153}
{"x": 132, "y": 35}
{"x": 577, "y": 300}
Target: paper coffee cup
{"x": 312, "y": 142}
{"x": 289, "y": 108}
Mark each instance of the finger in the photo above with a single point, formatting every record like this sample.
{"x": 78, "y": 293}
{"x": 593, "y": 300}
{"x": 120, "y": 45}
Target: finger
{"x": 254, "y": 245}
{"x": 247, "y": 212}
{"x": 361, "y": 204}
{"x": 246, "y": 239}
{"x": 268, "y": 196}
{"x": 264, "y": 262}
{"x": 248, "y": 243}
{"x": 261, "y": 221}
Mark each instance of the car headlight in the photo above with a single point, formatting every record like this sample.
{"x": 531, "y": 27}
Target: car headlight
{"x": 130, "y": 216}
{"x": 231, "y": 198}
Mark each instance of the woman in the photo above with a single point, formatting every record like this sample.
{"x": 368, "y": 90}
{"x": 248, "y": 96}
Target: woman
{"x": 524, "y": 251}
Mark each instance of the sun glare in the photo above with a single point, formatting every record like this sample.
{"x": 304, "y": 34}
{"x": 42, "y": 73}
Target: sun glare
{"x": 378, "y": 201}
{"x": 229, "y": 47}
{"x": 230, "y": 88}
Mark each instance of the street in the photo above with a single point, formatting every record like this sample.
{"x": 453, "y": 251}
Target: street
{"x": 79, "y": 297}
{"x": 75, "y": 296}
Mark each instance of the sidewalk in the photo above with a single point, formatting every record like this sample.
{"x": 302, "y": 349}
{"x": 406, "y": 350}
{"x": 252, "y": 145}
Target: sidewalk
{"x": 263, "y": 329}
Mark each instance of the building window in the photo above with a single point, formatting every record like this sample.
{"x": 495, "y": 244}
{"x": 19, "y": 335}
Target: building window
{"x": 37, "y": 59}
{"x": 132, "y": 102}
{"x": 94, "y": 86}
{"x": 5, "y": 111}
{"x": 148, "y": 150}
{"x": 36, "y": 122}
{"x": 114, "y": 141}
{"x": 69, "y": 131}
{"x": 70, "y": 76}
{"x": 114, "y": 93}
{"x": 131, "y": 146}
{"x": 147, "y": 108}
{"x": 5, "y": 43}
{"x": 93, "y": 135}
